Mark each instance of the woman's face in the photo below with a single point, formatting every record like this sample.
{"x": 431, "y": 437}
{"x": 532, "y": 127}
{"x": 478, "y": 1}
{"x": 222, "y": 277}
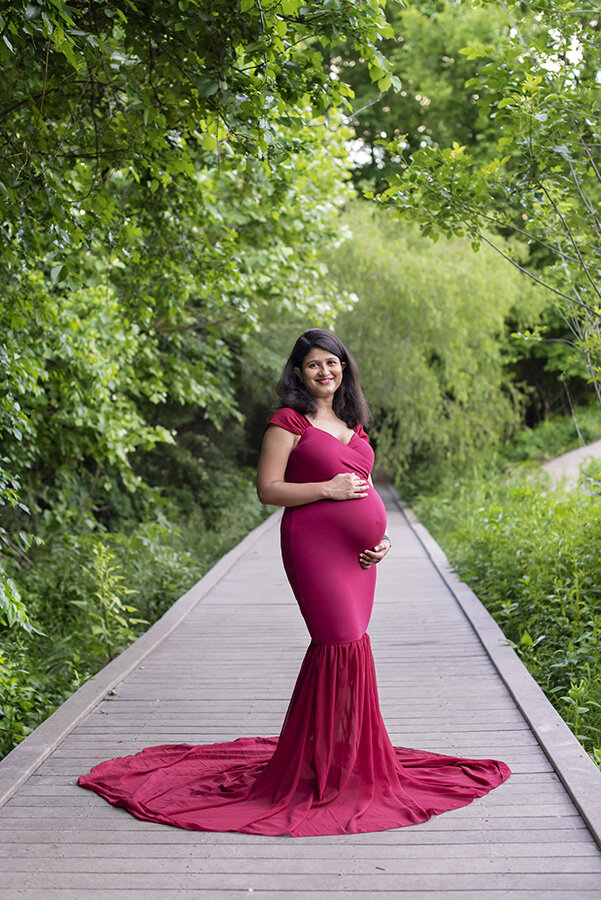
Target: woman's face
{"x": 321, "y": 373}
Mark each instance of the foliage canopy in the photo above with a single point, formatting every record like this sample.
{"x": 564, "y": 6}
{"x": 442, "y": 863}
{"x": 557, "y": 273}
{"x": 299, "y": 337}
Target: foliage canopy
{"x": 168, "y": 173}
{"x": 538, "y": 92}
{"x": 429, "y": 332}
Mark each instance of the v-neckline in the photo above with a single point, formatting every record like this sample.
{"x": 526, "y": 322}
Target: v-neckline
{"x": 344, "y": 444}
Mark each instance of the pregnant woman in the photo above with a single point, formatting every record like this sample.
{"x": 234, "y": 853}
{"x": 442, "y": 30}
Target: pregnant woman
{"x": 333, "y": 769}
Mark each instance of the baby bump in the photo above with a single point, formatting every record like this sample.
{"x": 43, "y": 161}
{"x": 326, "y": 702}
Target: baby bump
{"x": 360, "y": 523}
{"x": 321, "y": 543}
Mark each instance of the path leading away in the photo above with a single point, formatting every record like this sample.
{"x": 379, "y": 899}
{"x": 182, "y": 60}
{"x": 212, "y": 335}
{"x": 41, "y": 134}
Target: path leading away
{"x": 568, "y": 464}
{"x": 222, "y": 663}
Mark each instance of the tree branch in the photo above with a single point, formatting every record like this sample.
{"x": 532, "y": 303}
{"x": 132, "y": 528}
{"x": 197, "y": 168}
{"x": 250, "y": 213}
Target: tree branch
{"x": 570, "y": 235}
{"x": 538, "y": 280}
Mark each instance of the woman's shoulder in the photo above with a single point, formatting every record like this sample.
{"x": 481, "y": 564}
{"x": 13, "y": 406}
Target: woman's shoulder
{"x": 361, "y": 432}
{"x": 289, "y": 419}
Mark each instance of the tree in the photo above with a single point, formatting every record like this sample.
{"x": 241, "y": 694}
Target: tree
{"x": 539, "y": 87}
{"x": 146, "y": 147}
{"x": 426, "y": 103}
{"x": 148, "y": 92}
{"x": 167, "y": 173}
{"x": 429, "y": 333}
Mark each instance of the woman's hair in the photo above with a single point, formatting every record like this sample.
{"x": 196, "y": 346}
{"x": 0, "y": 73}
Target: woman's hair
{"x": 349, "y": 403}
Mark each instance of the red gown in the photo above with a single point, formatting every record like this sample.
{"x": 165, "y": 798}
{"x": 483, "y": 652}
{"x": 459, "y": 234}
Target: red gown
{"x": 333, "y": 769}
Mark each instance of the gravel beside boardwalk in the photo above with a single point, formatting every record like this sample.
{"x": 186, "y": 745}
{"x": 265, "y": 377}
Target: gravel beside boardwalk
{"x": 228, "y": 670}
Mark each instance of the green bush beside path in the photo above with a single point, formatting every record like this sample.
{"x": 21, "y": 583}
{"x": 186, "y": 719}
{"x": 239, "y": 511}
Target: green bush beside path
{"x": 530, "y": 550}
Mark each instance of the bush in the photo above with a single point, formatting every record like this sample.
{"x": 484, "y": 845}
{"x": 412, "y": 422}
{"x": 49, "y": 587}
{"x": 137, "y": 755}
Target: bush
{"x": 90, "y": 595}
{"x": 22, "y": 695}
{"x": 429, "y": 331}
{"x": 532, "y": 554}
{"x": 554, "y": 436}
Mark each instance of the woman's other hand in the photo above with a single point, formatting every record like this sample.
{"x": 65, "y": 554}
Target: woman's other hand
{"x": 368, "y": 558}
{"x": 346, "y": 486}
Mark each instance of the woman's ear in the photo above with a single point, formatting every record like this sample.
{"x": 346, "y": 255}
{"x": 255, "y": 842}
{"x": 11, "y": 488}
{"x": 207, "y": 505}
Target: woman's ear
{"x": 298, "y": 373}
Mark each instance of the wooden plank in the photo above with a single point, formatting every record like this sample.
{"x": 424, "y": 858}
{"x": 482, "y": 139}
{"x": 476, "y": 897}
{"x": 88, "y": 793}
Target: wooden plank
{"x": 472, "y": 839}
{"x": 259, "y": 894}
{"x": 293, "y": 865}
{"x": 97, "y": 819}
{"x": 340, "y": 882}
{"x": 224, "y": 717}
{"x": 508, "y": 852}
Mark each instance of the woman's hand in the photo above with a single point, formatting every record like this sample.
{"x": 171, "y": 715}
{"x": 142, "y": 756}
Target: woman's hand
{"x": 369, "y": 557}
{"x": 346, "y": 486}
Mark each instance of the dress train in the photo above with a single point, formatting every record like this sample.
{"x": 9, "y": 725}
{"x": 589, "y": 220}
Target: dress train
{"x": 333, "y": 769}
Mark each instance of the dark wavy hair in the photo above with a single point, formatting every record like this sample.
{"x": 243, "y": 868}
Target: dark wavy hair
{"x": 349, "y": 403}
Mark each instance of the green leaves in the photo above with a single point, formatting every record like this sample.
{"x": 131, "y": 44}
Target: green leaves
{"x": 58, "y": 273}
{"x": 168, "y": 177}
{"x": 110, "y": 621}
{"x": 537, "y": 93}
{"x": 528, "y": 551}
{"x": 12, "y": 608}
{"x": 428, "y": 331}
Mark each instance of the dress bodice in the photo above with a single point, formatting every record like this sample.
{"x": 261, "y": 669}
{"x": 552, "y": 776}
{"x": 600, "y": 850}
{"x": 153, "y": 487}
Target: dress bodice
{"x": 319, "y": 455}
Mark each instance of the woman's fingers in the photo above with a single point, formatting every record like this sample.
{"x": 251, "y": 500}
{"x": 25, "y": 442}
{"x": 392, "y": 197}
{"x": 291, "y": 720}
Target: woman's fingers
{"x": 383, "y": 547}
{"x": 370, "y": 557}
{"x": 347, "y": 486}
{"x": 359, "y": 485}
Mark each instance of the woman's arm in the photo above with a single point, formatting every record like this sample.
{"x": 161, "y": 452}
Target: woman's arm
{"x": 278, "y": 444}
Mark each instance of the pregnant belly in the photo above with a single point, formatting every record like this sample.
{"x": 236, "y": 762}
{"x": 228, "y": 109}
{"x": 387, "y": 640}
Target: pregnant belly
{"x": 361, "y": 523}
{"x": 355, "y": 524}
{"x": 321, "y": 543}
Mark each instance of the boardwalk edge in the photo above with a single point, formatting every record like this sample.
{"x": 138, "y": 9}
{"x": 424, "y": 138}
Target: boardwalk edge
{"x": 28, "y": 756}
{"x": 577, "y": 772}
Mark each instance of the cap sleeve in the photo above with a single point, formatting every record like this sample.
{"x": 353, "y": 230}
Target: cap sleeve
{"x": 362, "y": 433}
{"x": 289, "y": 419}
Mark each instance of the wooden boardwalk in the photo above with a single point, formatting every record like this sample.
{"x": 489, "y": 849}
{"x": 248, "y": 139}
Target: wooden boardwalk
{"x": 227, "y": 669}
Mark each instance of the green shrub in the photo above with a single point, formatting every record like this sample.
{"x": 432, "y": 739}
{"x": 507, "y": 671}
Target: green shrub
{"x": 554, "y": 436}
{"x": 90, "y": 595}
{"x": 21, "y": 696}
{"x": 532, "y": 553}
{"x": 429, "y": 332}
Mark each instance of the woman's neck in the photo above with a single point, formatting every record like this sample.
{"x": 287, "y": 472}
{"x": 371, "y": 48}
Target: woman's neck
{"x": 325, "y": 409}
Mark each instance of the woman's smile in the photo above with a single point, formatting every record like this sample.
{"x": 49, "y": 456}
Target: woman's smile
{"x": 321, "y": 369}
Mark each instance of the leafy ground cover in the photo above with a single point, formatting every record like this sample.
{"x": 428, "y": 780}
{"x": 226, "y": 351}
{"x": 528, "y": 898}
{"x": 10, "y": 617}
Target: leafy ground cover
{"x": 531, "y": 552}
{"x": 90, "y": 595}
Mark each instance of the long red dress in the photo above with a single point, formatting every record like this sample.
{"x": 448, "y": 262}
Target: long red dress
{"x": 333, "y": 769}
